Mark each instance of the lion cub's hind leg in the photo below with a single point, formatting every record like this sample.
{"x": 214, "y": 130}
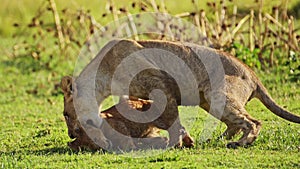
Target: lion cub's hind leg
{"x": 231, "y": 131}
{"x": 236, "y": 115}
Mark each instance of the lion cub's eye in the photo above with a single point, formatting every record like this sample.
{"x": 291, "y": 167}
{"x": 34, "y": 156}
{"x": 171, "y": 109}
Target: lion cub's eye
{"x": 77, "y": 130}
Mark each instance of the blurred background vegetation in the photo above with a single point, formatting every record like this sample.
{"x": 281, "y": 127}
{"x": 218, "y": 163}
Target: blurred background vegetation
{"x": 12, "y": 11}
{"x": 48, "y": 34}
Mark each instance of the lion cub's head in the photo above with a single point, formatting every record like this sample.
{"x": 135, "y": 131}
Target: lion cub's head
{"x": 75, "y": 130}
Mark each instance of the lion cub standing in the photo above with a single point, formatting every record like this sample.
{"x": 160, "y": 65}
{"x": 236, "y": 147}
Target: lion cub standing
{"x": 214, "y": 80}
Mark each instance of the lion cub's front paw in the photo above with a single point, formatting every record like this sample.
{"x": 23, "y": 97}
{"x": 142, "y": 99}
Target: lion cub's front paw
{"x": 188, "y": 141}
{"x": 75, "y": 145}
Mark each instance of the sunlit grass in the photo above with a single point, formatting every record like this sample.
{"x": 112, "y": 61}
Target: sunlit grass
{"x": 33, "y": 133}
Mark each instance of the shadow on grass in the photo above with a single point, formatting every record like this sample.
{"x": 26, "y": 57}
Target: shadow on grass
{"x": 49, "y": 152}
{"x": 46, "y": 151}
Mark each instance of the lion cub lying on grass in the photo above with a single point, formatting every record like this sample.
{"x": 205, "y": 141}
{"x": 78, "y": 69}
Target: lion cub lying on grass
{"x": 139, "y": 135}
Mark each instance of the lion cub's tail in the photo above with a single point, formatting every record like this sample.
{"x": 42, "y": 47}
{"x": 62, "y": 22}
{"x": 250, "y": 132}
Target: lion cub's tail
{"x": 265, "y": 98}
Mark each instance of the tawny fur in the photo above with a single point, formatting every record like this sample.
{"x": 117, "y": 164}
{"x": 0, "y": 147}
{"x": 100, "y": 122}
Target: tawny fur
{"x": 238, "y": 86}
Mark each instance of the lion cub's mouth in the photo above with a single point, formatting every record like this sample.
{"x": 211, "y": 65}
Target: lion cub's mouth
{"x": 73, "y": 141}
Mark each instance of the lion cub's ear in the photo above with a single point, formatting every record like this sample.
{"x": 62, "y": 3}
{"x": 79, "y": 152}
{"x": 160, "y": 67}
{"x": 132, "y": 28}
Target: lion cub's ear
{"x": 66, "y": 85}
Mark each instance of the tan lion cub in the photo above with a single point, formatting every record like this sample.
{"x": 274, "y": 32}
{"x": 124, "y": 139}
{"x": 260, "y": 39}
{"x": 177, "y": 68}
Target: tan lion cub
{"x": 144, "y": 135}
{"x": 187, "y": 74}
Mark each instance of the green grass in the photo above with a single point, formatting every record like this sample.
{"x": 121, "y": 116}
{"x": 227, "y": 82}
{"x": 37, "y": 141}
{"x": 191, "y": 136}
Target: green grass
{"x": 34, "y": 134}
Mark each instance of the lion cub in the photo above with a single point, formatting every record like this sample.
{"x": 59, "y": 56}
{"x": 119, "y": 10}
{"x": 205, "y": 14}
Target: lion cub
{"x": 137, "y": 135}
{"x": 187, "y": 74}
